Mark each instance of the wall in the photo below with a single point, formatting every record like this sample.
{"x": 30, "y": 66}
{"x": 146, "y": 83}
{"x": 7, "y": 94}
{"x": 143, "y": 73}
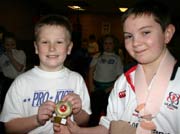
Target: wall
{"x": 93, "y": 24}
{"x": 19, "y": 17}
{"x": 16, "y": 16}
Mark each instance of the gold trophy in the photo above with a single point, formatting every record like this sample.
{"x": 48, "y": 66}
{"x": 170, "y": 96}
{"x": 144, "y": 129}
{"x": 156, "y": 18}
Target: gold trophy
{"x": 62, "y": 111}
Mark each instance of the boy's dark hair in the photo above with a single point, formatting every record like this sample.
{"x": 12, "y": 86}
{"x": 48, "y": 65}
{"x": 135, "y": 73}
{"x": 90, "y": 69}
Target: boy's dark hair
{"x": 56, "y": 20}
{"x": 159, "y": 10}
{"x": 9, "y": 35}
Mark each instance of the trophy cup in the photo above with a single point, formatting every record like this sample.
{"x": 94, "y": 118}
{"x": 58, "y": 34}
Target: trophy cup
{"x": 63, "y": 110}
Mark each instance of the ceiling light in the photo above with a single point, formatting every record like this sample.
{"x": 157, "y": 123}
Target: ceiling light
{"x": 123, "y": 9}
{"x": 76, "y": 8}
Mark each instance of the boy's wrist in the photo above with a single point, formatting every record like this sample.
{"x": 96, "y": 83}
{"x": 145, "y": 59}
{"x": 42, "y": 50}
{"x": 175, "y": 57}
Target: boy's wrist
{"x": 79, "y": 112}
{"x": 38, "y": 122}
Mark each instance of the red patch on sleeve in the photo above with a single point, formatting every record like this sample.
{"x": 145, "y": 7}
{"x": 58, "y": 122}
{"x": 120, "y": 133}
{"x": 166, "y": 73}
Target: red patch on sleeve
{"x": 122, "y": 94}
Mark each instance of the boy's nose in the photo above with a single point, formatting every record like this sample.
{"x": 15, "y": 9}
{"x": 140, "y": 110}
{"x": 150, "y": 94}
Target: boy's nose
{"x": 51, "y": 47}
{"x": 136, "y": 42}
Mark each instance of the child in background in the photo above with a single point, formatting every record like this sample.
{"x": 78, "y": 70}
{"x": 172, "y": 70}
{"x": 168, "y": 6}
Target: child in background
{"x": 147, "y": 95}
{"x": 32, "y": 97}
{"x": 105, "y": 68}
{"x": 93, "y": 47}
{"x": 12, "y": 61}
{"x": 79, "y": 59}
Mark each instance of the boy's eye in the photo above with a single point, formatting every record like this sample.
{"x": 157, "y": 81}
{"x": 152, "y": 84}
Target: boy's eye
{"x": 146, "y": 32}
{"x": 44, "y": 42}
{"x": 59, "y": 42}
{"x": 127, "y": 36}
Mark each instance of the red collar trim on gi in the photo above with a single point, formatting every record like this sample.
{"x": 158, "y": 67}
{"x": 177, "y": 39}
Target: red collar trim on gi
{"x": 127, "y": 75}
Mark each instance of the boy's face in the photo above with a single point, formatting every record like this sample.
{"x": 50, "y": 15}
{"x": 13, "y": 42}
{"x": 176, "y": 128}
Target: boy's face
{"x": 52, "y": 46}
{"x": 108, "y": 45}
{"x": 144, "y": 39}
{"x": 9, "y": 44}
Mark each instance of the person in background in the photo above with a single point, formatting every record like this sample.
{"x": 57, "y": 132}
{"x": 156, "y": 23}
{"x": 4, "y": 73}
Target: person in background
{"x": 80, "y": 59}
{"x": 12, "y": 62}
{"x": 93, "y": 46}
{"x": 105, "y": 68}
{"x": 85, "y": 58}
{"x": 31, "y": 100}
{"x": 147, "y": 95}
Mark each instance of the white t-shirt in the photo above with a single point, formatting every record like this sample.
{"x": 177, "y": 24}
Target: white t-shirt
{"x": 7, "y": 67}
{"x": 32, "y": 88}
{"x": 122, "y": 104}
{"x": 108, "y": 67}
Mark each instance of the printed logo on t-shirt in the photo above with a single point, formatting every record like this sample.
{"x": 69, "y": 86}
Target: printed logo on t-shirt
{"x": 42, "y": 96}
{"x": 111, "y": 61}
{"x": 157, "y": 132}
{"x": 108, "y": 61}
{"x": 172, "y": 100}
{"x": 122, "y": 94}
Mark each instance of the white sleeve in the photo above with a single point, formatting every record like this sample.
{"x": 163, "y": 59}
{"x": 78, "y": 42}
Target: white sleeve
{"x": 116, "y": 106}
{"x": 84, "y": 95}
{"x": 13, "y": 103}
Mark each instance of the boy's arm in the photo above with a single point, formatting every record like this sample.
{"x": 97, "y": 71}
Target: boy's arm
{"x": 26, "y": 124}
{"x": 81, "y": 117}
{"x": 93, "y": 130}
{"x": 74, "y": 129}
{"x": 90, "y": 79}
{"x": 22, "y": 125}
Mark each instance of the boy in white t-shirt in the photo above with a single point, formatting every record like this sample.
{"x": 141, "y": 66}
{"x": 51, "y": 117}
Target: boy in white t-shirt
{"x": 32, "y": 97}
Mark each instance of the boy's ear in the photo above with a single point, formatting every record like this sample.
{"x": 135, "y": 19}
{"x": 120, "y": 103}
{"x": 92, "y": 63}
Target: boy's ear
{"x": 70, "y": 48}
{"x": 169, "y": 32}
{"x": 35, "y": 46}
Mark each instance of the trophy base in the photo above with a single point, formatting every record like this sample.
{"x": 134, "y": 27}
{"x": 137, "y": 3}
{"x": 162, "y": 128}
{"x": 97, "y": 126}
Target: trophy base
{"x": 60, "y": 120}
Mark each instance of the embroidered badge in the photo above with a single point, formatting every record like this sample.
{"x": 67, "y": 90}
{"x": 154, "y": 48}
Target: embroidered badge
{"x": 172, "y": 101}
{"x": 122, "y": 94}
